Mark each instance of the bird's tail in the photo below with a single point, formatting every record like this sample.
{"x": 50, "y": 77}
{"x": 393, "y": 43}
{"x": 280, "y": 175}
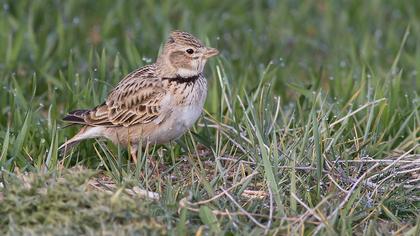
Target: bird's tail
{"x": 71, "y": 143}
{"x": 76, "y": 117}
{"x": 86, "y": 132}
{"x": 67, "y": 146}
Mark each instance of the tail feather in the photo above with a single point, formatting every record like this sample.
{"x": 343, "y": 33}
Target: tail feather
{"x": 76, "y": 116}
{"x": 67, "y": 146}
{"x": 71, "y": 143}
{"x": 86, "y": 132}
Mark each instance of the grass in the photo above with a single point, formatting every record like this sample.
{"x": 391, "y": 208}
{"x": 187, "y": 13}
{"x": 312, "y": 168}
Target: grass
{"x": 311, "y": 125}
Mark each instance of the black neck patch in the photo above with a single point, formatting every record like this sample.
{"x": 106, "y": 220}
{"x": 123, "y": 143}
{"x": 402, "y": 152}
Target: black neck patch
{"x": 180, "y": 80}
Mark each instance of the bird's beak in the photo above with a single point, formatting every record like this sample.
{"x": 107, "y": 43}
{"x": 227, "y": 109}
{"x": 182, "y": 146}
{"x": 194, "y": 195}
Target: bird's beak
{"x": 210, "y": 52}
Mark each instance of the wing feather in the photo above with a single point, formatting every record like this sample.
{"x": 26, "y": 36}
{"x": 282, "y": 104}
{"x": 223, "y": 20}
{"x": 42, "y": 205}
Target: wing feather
{"x": 137, "y": 99}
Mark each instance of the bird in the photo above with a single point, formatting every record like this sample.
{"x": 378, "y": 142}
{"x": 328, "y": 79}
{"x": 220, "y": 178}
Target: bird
{"x": 154, "y": 104}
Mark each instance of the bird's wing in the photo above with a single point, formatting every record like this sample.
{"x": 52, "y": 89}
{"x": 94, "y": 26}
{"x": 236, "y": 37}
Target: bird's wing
{"x": 138, "y": 99}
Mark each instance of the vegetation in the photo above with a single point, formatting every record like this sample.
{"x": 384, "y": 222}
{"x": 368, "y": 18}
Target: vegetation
{"x": 311, "y": 125}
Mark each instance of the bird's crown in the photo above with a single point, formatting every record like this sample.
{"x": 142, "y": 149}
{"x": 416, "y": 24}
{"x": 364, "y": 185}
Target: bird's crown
{"x": 184, "y": 38}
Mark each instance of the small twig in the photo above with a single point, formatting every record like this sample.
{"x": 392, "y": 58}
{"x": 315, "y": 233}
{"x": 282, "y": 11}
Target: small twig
{"x": 136, "y": 191}
{"x": 218, "y": 126}
{"x": 399, "y": 158}
{"x": 308, "y": 209}
{"x": 270, "y": 216}
{"x": 144, "y": 193}
{"x": 354, "y": 187}
{"x": 243, "y": 210}
{"x": 355, "y": 111}
{"x": 407, "y": 171}
{"x": 345, "y": 200}
{"x": 234, "y": 160}
{"x": 252, "y": 194}
{"x": 280, "y": 167}
{"x": 234, "y": 142}
{"x": 409, "y": 165}
{"x": 336, "y": 184}
{"x": 367, "y": 183}
{"x": 380, "y": 160}
{"x": 184, "y": 203}
{"x": 302, "y": 218}
{"x": 222, "y": 193}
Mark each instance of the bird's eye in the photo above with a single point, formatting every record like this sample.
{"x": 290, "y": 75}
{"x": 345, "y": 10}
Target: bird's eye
{"x": 190, "y": 51}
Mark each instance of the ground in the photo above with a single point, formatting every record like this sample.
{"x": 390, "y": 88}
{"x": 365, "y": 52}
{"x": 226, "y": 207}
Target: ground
{"x": 311, "y": 125}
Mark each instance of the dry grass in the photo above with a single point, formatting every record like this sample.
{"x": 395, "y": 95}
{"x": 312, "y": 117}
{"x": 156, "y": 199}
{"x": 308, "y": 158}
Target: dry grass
{"x": 311, "y": 123}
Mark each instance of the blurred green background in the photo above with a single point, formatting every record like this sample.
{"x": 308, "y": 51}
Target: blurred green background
{"x": 73, "y": 52}
{"x": 323, "y": 59}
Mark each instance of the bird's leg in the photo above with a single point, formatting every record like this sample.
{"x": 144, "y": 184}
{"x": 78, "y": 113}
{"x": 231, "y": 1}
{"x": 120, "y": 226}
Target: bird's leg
{"x": 155, "y": 166}
{"x": 150, "y": 158}
{"x": 133, "y": 151}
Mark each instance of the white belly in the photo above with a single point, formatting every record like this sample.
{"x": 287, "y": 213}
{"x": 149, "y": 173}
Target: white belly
{"x": 188, "y": 115}
{"x": 177, "y": 124}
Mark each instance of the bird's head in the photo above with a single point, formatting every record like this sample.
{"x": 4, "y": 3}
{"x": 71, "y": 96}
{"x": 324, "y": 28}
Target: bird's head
{"x": 184, "y": 55}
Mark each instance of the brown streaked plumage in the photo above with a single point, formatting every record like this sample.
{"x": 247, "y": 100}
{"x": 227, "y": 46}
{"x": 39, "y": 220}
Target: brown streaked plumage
{"x": 154, "y": 104}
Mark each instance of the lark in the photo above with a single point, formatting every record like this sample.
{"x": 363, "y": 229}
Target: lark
{"x": 154, "y": 104}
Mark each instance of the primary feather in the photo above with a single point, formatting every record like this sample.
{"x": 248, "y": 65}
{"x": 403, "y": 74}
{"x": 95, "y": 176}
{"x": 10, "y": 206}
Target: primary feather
{"x": 137, "y": 99}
